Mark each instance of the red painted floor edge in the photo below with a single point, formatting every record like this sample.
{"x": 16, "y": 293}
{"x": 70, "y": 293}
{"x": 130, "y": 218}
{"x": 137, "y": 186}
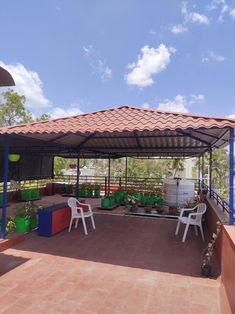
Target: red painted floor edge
{"x": 7, "y": 243}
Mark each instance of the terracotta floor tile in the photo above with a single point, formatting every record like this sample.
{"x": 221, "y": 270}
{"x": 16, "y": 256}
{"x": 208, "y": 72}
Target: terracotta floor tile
{"x": 127, "y": 265}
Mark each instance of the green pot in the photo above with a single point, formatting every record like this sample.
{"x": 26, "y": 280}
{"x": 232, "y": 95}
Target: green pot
{"x": 82, "y": 192}
{"x": 22, "y": 224}
{"x": 105, "y": 202}
{"x": 89, "y": 192}
{"x": 97, "y": 192}
{"x": 35, "y": 194}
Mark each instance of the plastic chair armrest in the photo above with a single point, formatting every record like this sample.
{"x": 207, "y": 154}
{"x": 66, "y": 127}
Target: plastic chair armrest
{"x": 182, "y": 210}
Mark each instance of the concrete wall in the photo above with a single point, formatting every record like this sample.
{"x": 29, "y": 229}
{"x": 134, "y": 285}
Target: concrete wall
{"x": 225, "y": 251}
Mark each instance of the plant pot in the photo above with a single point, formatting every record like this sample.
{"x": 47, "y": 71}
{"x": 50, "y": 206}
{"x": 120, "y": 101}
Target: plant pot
{"x": 105, "y": 202}
{"x": 22, "y": 224}
{"x": 97, "y": 192}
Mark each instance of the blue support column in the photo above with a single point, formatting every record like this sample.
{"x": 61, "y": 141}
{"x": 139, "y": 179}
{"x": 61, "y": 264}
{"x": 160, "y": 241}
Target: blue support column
{"x": 203, "y": 171}
{"x": 78, "y": 176}
{"x": 198, "y": 175}
{"x": 210, "y": 172}
{"x": 231, "y": 177}
{"x": 4, "y": 201}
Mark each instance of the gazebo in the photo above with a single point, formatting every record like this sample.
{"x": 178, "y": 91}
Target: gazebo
{"x": 125, "y": 131}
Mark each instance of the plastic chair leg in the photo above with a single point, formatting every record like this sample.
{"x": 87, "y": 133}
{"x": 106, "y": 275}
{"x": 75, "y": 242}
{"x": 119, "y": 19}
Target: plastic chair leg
{"x": 76, "y": 224}
{"x": 93, "y": 221}
{"x": 202, "y": 233}
{"x": 84, "y": 225}
{"x": 185, "y": 233}
{"x": 177, "y": 228}
{"x": 70, "y": 224}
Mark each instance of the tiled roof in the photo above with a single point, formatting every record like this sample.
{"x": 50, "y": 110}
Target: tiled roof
{"x": 123, "y": 131}
{"x": 125, "y": 118}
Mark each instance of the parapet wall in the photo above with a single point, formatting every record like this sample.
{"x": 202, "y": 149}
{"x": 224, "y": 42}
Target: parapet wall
{"x": 225, "y": 251}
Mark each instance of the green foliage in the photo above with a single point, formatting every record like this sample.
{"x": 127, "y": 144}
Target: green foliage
{"x": 12, "y": 109}
{"x": 43, "y": 117}
{"x": 10, "y": 225}
{"x": 220, "y": 170}
{"x": 59, "y": 164}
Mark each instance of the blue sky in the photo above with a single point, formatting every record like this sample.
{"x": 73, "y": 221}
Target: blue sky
{"x": 77, "y": 56}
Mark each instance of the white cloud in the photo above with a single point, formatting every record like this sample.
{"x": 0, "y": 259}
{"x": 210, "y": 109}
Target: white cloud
{"x": 232, "y": 13}
{"x": 87, "y": 51}
{"x": 98, "y": 66}
{"x": 180, "y": 103}
{"x": 215, "y": 4}
{"x": 28, "y": 84}
{"x": 58, "y": 112}
{"x": 152, "y": 62}
{"x": 212, "y": 56}
{"x": 178, "y": 29}
{"x": 193, "y": 17}
{"x": 145, "y": 105}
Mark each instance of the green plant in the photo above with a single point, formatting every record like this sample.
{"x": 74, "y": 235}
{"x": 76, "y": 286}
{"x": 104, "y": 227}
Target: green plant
{"x": 10, "y": 225}
{"x": 206, "y": 268}
{"x": 131, "y": 202}
{"x": 28, "y": 209}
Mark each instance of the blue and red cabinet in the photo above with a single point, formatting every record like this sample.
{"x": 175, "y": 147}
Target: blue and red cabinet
{"x": 53, "y": 219}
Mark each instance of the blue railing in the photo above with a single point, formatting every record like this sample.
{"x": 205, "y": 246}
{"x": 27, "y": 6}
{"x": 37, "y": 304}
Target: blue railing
{"x": 216, "y": 196}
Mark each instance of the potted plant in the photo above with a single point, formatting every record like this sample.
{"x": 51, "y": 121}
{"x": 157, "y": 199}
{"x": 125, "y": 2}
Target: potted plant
{"x": 131, "y": 203}
{"x": 25, "y": 217}
{"x": 22, "y": 219}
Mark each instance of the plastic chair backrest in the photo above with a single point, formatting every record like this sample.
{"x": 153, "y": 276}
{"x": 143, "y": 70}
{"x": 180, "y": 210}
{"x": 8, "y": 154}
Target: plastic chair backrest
{"x": 201, "y": 209}
{"x": 72, "y": 202}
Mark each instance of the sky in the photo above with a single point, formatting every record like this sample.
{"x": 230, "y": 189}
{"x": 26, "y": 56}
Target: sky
{"x": 74, "y": 56}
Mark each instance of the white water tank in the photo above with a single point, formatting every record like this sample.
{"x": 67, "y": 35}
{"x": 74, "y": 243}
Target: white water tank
{"x": 185, "y": 192}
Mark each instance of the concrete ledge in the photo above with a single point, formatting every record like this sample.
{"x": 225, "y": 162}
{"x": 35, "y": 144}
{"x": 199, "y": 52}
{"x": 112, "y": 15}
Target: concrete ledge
{"x": 7, "y": 243}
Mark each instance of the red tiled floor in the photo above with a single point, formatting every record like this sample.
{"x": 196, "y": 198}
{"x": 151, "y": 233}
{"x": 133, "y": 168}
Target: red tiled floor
{"x": 127, "y": 265}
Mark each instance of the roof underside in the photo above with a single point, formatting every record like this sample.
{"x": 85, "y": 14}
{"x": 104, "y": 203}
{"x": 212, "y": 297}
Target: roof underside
{"x": 120, "y": 132}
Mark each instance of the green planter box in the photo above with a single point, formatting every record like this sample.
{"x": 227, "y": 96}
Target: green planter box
{"x": 105, "y": 202}
{"x": 22, "y": 224}
{"x": 97, "y": 193}
{"x": 1, "y": 200}
{"x": 30, "y": 194}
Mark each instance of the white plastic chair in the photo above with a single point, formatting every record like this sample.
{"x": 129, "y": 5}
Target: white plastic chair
{"x": 77, "y": 212}
{"x": 194, "y": 218}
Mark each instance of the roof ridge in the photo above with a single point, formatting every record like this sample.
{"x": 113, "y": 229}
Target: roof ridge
{"x": 187, "y": 114}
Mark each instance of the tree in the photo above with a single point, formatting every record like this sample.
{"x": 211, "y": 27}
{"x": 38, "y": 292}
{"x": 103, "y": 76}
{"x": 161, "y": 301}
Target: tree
{"x": 12, "y": 109}
{"x": 43, "y": 117}
{"x": 177, "y": 165}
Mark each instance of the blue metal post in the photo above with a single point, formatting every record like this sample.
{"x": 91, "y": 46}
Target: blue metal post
{"x": 203, "y": 171}
{"x": 231, "y": 176}
{"x": 210, "y": 172}
{"x": 4, "y": 200}
{"x": 198, "y": 175}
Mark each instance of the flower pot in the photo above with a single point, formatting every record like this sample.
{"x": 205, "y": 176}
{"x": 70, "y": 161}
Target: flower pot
{"x": 22, "y": 224}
